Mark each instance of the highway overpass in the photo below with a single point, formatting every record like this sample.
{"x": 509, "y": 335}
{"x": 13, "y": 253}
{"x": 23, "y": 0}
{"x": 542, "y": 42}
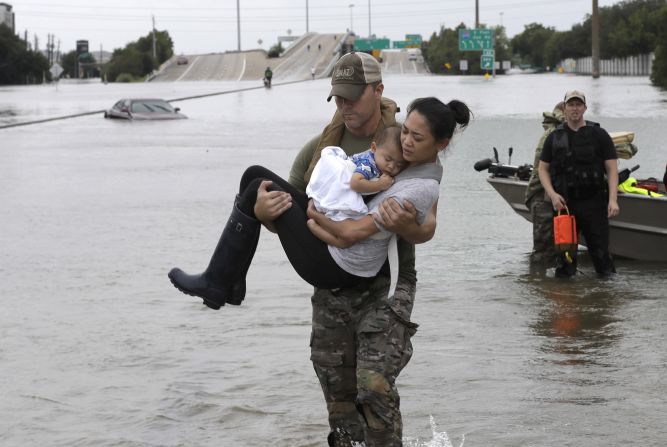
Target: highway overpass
{"x": 311, "y": 50}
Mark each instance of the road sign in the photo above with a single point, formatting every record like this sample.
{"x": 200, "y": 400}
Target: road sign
{"x": 463, "y": 65}
{"x": 487, "y": 62}
{"x": 56, "y": 70}
{"x": 475, "y": 39}
{"x": 371, "y": 44}
{"x": 489, "y": 53}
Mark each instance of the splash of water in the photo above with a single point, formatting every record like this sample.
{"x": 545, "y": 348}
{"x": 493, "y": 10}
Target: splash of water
{"x": 439, "y": 439}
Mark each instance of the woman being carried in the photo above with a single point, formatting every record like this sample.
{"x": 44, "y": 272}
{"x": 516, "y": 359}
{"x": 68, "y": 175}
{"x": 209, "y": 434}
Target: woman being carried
{"x": 353, "y": 253}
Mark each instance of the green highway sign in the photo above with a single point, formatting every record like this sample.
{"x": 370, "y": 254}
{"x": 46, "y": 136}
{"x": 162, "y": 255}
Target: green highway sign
{"x": 414, "y": 38}
{"x": 371, "y": 44}
{"x": 475, "y": 39}
{"x": 487, "y": 62}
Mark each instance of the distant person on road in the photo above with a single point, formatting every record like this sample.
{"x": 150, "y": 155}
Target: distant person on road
{"x": 536, "y": 199}
{"x": 339, "y": 182}
{"x": 268, "y": 75}
{"x": 312, "y": 72}
{"x": 578, "y": 170}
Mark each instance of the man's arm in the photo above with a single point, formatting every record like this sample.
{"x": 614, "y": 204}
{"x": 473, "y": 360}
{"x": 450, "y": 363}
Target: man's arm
{"x": 557, "y": 200}
{"x": 611, "y": 167}
{"x": 271, "y": 204}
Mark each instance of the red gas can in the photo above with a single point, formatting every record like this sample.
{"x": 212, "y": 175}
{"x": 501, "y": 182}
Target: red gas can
{"x": 565, "y": 231}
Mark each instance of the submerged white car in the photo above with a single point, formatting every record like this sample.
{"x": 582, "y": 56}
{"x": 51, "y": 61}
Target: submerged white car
{"x": 144, "y": 109}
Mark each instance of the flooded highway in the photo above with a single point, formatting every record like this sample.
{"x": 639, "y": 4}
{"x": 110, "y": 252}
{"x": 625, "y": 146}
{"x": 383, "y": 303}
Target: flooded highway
{"x": 98, "y": 348}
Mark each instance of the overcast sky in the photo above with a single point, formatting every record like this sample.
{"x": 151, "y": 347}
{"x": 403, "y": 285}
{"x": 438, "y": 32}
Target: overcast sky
{"x": 204, "y": 26}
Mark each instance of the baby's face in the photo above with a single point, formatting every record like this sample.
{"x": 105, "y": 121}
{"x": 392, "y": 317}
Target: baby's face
{"x": 389, "y": 159}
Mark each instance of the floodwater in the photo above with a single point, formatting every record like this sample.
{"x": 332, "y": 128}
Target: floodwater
{"x": 98, "y": 349}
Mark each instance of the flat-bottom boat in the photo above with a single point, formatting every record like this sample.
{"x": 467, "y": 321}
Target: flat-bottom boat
{"x": 638, "y": 232}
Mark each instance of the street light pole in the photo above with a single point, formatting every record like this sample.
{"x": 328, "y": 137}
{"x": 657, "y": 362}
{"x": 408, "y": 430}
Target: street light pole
{"x": 595, "y": 38}
{"x": 476, "y": 13}
{"x": 351, "y": 18}
{"x": 306, "y": 15}
{"x": 370, "y": 34}
{"x": 238, "y": 25}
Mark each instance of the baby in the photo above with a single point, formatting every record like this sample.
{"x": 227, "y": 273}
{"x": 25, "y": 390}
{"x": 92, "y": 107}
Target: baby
{"x": 338, "y": 181}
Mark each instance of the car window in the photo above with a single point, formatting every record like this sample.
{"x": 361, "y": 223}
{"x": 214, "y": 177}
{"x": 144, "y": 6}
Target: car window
{"x": 151, "y": 107}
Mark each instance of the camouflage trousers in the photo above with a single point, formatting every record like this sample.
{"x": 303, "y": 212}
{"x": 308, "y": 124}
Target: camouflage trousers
{"x": 359, "y": 345}
{"x": 542, "y": 214}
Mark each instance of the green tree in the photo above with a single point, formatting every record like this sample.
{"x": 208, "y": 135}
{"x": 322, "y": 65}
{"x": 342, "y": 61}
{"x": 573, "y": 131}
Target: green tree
{"x": 276, "y": 50}
{"x": 136, "y": 59}
{"x": 530, "y": 45}
{"x": 659, "y": 73}
{"x": 18, "y": 64}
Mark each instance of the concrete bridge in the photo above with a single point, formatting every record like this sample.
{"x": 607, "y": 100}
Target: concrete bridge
{"x": 320, "y": 51}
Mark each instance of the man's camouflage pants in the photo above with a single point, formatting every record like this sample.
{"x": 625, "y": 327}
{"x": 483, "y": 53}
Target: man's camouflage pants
{"x": 542, "y": 214}
{"x": 359, "y": 345}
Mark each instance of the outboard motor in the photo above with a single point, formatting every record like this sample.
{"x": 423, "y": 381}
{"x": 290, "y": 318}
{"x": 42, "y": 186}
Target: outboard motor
{"x": 498, "y": 169}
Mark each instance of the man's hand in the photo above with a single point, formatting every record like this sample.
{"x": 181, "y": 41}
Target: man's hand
{"x": 557, "y": 201}
{"x": 270, "y": 204}
{"x": 613, "y": 209}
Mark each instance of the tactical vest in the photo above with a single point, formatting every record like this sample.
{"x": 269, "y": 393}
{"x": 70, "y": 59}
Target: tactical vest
{"x": 577, "y": 167}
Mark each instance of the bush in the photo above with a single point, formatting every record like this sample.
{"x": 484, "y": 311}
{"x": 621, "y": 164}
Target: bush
{"x": 125, "y": 77}
{"x": 276, "y": 50}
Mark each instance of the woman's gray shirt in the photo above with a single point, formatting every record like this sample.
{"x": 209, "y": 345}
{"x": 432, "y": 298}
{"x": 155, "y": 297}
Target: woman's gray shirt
{"x": 420, "y": 186}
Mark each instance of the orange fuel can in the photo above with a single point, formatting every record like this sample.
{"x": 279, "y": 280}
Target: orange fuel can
{"x": 565, "y": 231}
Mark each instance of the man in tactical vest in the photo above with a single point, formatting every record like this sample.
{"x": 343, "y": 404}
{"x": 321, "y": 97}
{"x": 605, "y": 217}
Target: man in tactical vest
{"x": 360, "y": 340}
{"x": 578, "y": 170}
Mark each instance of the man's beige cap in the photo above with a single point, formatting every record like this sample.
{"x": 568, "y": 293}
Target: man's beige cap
{"x": 352, "y": 73}
{"x": 575, "y": 94}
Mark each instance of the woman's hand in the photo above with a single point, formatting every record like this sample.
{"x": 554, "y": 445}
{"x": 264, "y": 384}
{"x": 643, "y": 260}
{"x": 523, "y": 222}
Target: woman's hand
{"x": 394, "y": 217}
{"x": 402, "y": 220}
{"x": 270, "y": 204}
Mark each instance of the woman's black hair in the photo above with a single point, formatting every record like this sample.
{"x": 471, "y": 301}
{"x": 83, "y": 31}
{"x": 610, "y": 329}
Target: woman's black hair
{"x": 442, "y": 118}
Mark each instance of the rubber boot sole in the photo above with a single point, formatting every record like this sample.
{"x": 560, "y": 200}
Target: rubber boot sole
{"x": 208, "y": 302}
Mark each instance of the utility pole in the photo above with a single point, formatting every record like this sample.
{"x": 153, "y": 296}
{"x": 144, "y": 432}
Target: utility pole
{"x": 154, "y": 45}
{"x": 595, "y": 25}
{"x": 238, "y": 25}
{"x": 370, "y": 34}
{"x": 476, "y": 13}
{"x": 351, "y": 19}
{"x": 306, "y": 15}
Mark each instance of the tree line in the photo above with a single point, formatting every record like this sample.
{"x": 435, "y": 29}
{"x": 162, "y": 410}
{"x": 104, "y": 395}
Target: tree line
{"x": 19, "y": 64}
{"x": 628, "y": 28}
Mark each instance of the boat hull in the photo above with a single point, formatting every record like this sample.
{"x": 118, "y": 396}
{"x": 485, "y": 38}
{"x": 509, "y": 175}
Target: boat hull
{"x": 638, "y": 232}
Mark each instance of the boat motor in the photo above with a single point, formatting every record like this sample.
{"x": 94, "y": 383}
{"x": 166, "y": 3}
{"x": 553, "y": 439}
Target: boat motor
{"x": 500, "y": 170}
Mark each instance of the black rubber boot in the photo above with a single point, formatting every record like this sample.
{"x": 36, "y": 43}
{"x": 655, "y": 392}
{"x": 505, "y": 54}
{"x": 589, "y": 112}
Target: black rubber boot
{"x": 224, "y": 279}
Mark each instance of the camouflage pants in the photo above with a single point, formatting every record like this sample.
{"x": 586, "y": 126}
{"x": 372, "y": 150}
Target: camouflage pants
{"x": 542, "y": 213}
{"x": 359, "y": 345}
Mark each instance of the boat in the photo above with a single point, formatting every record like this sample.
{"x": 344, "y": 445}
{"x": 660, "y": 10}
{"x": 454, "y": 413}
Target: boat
{"x": 638, "y": 232}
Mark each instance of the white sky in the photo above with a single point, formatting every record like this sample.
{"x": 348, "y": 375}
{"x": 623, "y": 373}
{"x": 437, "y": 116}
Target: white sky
{"x": 204, "y": 26}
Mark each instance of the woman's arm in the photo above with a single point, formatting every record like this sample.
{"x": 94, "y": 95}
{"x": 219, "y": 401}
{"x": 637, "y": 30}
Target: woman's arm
{"x": 340, "y": 234}
{"x": 402, "y": 220}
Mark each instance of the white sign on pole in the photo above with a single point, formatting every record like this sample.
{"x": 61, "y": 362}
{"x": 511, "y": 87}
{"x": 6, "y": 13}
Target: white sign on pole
{"x": 56, "y": 70}
{"x": 463, "y": 64}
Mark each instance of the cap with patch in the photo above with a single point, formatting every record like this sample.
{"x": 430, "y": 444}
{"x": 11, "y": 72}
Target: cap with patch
{"x": 575, "y": 94}
{"x": 352, "y": 73}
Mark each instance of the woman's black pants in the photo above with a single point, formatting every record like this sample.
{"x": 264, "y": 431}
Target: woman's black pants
{"x": 308, "y": 255}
